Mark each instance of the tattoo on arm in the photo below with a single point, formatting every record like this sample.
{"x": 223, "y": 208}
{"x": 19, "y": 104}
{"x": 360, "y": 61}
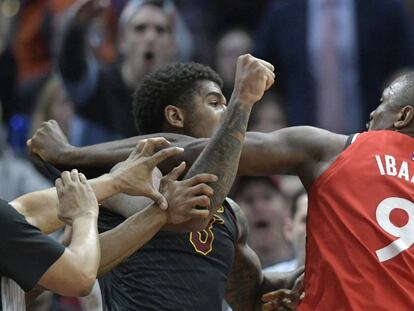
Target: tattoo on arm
{"x": 222, "y": 154}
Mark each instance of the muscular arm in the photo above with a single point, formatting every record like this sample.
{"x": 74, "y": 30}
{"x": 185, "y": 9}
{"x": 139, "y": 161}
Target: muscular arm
{"x": 73, "y": 274}
{"x": 39, "y": 207}
{"x": 294, "y": 150}
{"x": 52, "y": 146}
{"x": 247, "y": 283}
{"x": 76, "y": 63}
{"x": 303, "y": 151}
{"x": 133, "y": 232}
{"x": 222, "y": 154}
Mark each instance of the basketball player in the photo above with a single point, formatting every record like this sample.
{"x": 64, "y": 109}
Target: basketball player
{"x": 72, "y": 271}
{"x": 360, "y": 223}
{"x": 192, "y": 271}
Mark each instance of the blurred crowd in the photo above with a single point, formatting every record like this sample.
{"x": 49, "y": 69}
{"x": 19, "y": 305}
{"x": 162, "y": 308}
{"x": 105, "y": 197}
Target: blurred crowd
{"x": 79, "y": 61}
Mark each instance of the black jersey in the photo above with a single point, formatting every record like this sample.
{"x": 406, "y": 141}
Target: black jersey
{"x": 173, "y": 271}
{"x": 25, "y": 253}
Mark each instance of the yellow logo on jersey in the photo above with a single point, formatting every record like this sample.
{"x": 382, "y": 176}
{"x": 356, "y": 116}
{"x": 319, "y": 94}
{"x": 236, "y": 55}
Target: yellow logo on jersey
{"x": 202, "y": 241}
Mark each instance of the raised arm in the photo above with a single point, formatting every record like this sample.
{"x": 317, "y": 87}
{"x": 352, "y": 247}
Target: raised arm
{"x": 78, "y": 68}
{"x": 221, "y": 155}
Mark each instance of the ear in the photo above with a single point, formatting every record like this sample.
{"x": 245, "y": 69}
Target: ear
{"x": 404, "y": 117}
{"x": 174, "y": 116}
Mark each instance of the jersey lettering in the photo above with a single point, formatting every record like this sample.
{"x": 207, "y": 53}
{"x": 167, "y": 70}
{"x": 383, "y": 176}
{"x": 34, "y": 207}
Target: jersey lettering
{"x": 393, "y": 167}
{"x": 379, "y": 163}
{"x": 403, "y": 173}
{"x": 405, "y": 234}
{"x": 202, "y": 241}
{"x": 390, "y": 165}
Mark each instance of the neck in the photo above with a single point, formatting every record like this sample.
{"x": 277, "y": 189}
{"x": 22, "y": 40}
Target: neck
{"x": 167, "y": 128}
{"x": 407, "y": 131}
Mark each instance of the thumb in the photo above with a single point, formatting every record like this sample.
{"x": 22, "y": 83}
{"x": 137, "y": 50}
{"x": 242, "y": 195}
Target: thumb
{"x": 158, "y": 198}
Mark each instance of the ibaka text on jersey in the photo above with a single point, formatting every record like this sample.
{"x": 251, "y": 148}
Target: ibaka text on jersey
{"x": 389, "y": 165}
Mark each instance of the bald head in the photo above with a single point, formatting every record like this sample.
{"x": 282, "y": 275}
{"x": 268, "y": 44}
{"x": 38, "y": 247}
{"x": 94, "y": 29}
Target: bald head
{"x": 400, "y": 92}
{"x": 396, "y": 111}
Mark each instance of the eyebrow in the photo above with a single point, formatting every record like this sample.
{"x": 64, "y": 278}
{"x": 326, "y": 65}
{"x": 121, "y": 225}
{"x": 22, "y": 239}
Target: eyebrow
{"x": 214, "y": 93}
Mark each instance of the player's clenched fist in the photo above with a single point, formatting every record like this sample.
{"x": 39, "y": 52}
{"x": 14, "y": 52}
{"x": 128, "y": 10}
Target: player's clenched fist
{"x": 253, "y": 77}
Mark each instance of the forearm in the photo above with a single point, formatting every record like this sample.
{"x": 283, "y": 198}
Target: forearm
{"x": 222, "y": 154}
{"x": 84, "y": 246}
{"x": 278, "y": 280}
{"x": 245, "y": 282}
{"x": 122, "y": 241}
{"x": 248, "y": 284}
{"x": 39, "y": 208}
{"x": 106, "y": 155}
{"x": 74, "y": 273}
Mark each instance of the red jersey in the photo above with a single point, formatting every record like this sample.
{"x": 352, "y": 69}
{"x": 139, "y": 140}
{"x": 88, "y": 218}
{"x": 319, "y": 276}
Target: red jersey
{"x": 360, "y": 230}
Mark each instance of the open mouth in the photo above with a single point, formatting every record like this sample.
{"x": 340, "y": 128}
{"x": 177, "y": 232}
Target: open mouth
{"x": 149, "y": 56}
{"x": 261, "y": 224}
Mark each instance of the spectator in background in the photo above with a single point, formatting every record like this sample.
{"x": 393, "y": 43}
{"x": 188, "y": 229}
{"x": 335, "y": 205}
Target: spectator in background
{"x": 267, "y": 210}
{"x": 334, "y": 56}
{"x": 230, "y": 46}
{"x": 269, "y": 115}
{"x": 53, "y": 103}
{"x": 295, "y": 233}
{"x": 38, "y": 30}
{"x": 210, "y": 19}
{"x": 103, "y": 94}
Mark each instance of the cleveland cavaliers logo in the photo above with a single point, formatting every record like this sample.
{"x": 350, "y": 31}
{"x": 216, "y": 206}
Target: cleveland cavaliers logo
{"x": 202, "y": 241}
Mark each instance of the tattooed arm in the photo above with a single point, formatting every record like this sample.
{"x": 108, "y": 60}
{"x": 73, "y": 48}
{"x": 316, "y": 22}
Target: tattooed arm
{"x": 247, "y": 283}
{"x": 221, "y": 155}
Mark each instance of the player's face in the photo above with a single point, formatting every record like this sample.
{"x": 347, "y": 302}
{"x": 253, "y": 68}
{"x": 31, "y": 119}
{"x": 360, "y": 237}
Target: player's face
{"x": 147, "y": 42}
{"x": 204, "y": 117}
{"x": 383, "y": 117}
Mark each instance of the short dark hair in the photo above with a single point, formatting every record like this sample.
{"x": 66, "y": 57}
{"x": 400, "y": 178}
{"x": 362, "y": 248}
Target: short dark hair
{"x": 173, "y": 84}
